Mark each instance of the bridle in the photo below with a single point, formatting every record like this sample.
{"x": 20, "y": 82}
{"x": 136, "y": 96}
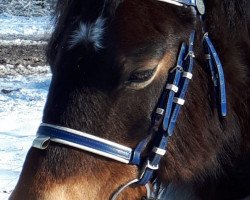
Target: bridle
{"x": 164, "y": 117}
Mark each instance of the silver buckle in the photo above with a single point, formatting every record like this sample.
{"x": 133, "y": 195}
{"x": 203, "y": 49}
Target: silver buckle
{"x": 153, "y": 167}
{"x": 160, "y": 111}
{"x": 190, "y": 54}
{"x": 187, "y": 75}
{"x": 172, "y": 87}
{"x": 179, "y": 101}
{"x": 148, "y": 166}
{"x": 159, "y": 151}
{"x": 208, "y": 56}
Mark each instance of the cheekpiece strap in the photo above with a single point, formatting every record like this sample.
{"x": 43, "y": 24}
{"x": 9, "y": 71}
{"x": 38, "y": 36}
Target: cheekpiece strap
{"x": 166, "y": 117}
{"x": 174, "y": 80}
{"x": 169, "y": 108}
{"x": 185, "y": 79}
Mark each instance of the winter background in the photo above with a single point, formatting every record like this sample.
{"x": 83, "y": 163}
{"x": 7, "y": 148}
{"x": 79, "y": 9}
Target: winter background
{"x": 24, "y": 25}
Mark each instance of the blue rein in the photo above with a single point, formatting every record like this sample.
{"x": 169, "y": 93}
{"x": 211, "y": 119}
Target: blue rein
{"x": 163, "y": 119}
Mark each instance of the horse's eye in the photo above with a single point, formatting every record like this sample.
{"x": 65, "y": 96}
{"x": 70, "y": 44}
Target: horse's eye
{"x": 141, "y": 76}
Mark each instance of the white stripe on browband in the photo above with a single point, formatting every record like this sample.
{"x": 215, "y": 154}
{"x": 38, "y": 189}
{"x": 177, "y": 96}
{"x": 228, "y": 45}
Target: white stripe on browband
{"x": 88, "y": 136}
{"x": 91, "y": 150}
{"x": 172, "y": 87}
{"x": 172, "y": 2}
{"x": 179, "y": 101}
{"x": 187, "y": 75}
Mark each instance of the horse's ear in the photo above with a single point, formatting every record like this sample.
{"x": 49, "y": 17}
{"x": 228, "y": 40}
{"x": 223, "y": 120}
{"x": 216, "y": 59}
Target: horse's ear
{"x": 110, "y": 7}
{"x": 88, "y": 9}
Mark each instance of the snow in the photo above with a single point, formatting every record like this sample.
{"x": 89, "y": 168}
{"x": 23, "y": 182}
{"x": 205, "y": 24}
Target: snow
{"x": 21, "y": 42}
{"x": 28, "y": 28}
{"x": 11, "y": 70}
{"x": 22, "y": 99}
{"x": 23, "y": 91}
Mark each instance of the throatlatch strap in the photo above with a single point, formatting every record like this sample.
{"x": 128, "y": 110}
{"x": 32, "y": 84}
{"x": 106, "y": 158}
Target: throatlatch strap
{"x": 217, "y": 74}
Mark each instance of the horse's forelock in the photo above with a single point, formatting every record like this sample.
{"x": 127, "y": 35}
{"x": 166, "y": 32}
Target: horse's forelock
{"x": 89, "y": 12}
{"x": 110, "y": 6}
{"x": 106, "y": 7}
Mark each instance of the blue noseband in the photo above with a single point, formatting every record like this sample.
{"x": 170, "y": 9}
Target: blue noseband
{"x": 164, "y": 117}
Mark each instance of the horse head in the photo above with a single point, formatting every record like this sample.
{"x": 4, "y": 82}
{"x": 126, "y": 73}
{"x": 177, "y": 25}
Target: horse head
{"x": 111, "y": 64}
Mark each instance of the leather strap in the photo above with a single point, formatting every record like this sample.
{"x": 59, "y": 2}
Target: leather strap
{"x": 82, "y": 141}
{"x": 217, "y": 73}
{"x": 186, "y": 78}
{"x": 171, "y": 110}
{"x": 198, "y": 4}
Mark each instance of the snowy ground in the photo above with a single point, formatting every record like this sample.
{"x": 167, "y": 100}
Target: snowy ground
{"x": 22, "y": 100}
{"x": 20, "y": 70}
{"x": 23, "y": 91}
{"x": 27, "y": 28}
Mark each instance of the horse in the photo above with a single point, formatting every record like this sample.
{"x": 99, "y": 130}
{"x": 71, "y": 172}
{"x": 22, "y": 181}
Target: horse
{"x": 112, "y": 62}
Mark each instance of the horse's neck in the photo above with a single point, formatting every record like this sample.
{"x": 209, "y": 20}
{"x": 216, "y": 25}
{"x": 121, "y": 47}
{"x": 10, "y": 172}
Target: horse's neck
{"x": 229, "y": 16}
{"x": 174, "y": 192}
{"x": 183, "y": 192}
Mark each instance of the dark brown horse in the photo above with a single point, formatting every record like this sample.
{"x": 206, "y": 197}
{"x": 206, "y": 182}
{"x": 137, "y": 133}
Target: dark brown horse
{"x": 110, "y": 60}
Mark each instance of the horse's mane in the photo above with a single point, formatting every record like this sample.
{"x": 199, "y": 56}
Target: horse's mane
{"x": 231, "y": 16}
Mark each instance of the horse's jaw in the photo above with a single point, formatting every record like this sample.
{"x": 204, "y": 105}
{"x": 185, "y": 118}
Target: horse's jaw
{"x": 88, "y": 181}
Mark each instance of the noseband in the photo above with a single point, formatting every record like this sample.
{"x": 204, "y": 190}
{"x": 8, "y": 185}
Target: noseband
{"x": 164, "y": 117}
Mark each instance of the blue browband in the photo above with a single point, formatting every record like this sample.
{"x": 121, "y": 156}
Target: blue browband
{"x": 198, "y": 4}
{"x": 164, "y": 117}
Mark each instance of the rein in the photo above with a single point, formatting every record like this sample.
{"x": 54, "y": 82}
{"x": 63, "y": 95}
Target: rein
{"x": 164, "y": 117}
